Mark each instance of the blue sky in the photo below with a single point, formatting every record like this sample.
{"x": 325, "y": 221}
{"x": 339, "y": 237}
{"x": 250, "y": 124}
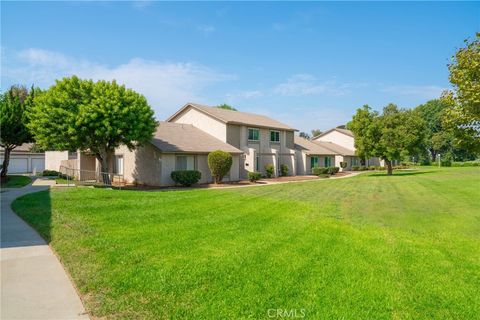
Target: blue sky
{"x": 308, "y": 64}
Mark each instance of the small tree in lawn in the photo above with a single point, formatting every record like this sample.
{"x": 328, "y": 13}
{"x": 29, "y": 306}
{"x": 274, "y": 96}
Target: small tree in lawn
{"x": 394, "y": 134}
{"x": 13, "y": 120}
{"x": 94, "y": 117}
{"x": 219, "y": 163}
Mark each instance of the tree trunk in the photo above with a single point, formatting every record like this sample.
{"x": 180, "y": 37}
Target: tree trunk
{"x": 6, "y": 161}
{"x": 103, "y": 158}
{"x": 389, "y": 167}
{"x": 433, "y": 153}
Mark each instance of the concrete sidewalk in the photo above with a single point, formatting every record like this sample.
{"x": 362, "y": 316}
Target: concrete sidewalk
{"x": 34, "y": 284}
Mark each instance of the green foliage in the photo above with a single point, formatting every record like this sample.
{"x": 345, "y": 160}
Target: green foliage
{"x": 333, "y": 170}
{"x": 304, "y": 135}
{"x": 14, "y": 104}
{"x": 50, "y": 173}
{"x": 219, "y": 163}
{"x": 254, "y": 176}
{"x": 343, "y": 164}
{"x": 226, "y": 107}
{"x": 394, "y": 134}
{"x": 319, "y": 170}
{"x": 186, "y": 177}
{"x": 466, "y": 164}
{"x": 95, "y": 116}
{"x": 284, "y": 170}
{"x": 464, "y": 117}
{"x": 316, "y": 132}
{"x": 269, "y": 170}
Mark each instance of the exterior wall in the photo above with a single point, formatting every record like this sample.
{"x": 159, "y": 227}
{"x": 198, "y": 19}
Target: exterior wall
{"x": 53, "y": 159}
{"x": 148, "y": 166}
{"x": 276, "y": 153}
{"x": 203, "y": 122}
{"x": 301, "y": 159}
{"x": 339, "y": 138}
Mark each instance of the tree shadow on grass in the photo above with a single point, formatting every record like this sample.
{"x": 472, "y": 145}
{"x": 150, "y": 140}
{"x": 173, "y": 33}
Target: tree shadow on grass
{"x": 402, "y": 173}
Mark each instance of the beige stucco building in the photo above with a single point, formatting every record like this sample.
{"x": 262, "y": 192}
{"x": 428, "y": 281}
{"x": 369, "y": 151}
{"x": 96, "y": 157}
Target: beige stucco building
{"x": 261, "y": 139}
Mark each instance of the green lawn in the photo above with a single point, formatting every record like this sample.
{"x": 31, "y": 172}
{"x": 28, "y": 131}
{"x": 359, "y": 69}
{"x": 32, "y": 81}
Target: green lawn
{"x": 368, "y": 247}
{"x": 16, "y": 182}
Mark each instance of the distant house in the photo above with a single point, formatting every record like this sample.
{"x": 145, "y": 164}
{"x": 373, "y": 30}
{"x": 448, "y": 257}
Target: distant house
{"x": 343, "y": 143}
{"x": 262, "y": 140}
{"x": 310, "y": 154}
{"x": 23, "y": 159}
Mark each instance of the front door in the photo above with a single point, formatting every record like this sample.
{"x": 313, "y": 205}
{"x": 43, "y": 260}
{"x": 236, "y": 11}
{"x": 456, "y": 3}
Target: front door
{"x": 313, "y": 162}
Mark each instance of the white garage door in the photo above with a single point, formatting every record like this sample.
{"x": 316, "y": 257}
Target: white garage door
{"x": 38, "y": 165}
{"x": 18, "y": 165}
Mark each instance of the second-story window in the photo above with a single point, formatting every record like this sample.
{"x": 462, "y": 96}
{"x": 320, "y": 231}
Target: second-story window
{"x": 253, "y": 134}
{"x": 274, "y": 136}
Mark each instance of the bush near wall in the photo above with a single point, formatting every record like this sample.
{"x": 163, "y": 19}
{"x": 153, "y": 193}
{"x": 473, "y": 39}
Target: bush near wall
{"x": 319, "y": 170}
{"x": 50, "y": 173}
{"x": 186, "y": 177}
{"x": 269, "y": 169}
{"x": 254, "y": 176}
{"x": 343, "y": 164}
{"x": 219, "y": 163}
{"x": 283, "y": 170}
{"x": 333, "y": 170}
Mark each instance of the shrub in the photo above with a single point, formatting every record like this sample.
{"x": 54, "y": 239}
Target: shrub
{"x": 332, "y": 170}
{"x": 343, "y": 164}
{"x": 371, "y": 168}
{"x": 254, "y": 176}
{"x": 362, "y": 168}
{"x": 355, "y": 168}
{"x": 446, "y": 163}
{"x": 283, "y": 170}
{"x": 50, "y": 173}
{"x": 319, "y": 171}
{"x": 269, "y": 169}
{"x": 186, "y": 177}
{"x": 219, "y": 163}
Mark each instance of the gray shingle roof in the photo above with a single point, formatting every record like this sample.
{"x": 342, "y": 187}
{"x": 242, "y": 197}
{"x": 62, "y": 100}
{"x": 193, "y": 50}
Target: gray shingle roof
{"x": 236, "y": 117}
{"x": 185, "y": 138}
{"x": 335, "y": 148}
{"x": 311, "y": 148}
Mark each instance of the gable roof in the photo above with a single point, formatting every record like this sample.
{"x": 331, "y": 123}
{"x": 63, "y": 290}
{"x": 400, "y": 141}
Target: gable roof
{"x": 311, "y": 148}
{"x": 235, "y": 117}
{"x": 335, "y": 148}
{"x": 185, "y": 138}
{"x": 344, "y": 131}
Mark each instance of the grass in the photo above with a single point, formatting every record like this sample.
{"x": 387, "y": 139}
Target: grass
{"x": 368, "y": 247}
{"x": 16, "y": 181}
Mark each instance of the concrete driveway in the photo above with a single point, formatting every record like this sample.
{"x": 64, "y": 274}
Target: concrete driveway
{"x": 33, "y": 281}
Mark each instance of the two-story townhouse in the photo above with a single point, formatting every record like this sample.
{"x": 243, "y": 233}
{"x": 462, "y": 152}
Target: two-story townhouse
{"x": 263, "y": 140}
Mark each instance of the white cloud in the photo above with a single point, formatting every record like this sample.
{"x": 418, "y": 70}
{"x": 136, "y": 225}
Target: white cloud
{"x": 426, "y": 92}
{"x": 167, "y": 85}
{"x": 206, "y": 29}
{"x": 306, "y": 84}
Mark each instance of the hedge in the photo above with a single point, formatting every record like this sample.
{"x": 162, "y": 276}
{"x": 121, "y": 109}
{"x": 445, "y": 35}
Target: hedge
{"x": 269, "y": 169}
{"x": 254, "y": 176}
{"x": 219, "y": 163}
{"x": 186, "y": 177}
{"x": 283, "y": 170}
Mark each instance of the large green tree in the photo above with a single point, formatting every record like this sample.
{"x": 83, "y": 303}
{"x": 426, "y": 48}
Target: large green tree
{"x": 13, "y": 120}
{"x": 392, "y": 135}
{"x": 94, "y": 117}
{"x": 464, "y": 117}
{"x": 439, "y": 139}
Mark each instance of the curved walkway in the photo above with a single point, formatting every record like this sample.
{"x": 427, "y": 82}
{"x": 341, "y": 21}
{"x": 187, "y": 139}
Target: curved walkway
{"x": 33, "y": 281}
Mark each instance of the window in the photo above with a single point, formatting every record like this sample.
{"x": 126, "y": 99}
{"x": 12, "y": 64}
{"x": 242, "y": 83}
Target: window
{"x": 118, "y": 164}
{"x": 257, "y": 164}
{"x": 328, "y": 161}
{"x": 185, "y": 163}
{"x": 253, "y": 134}
{"x": 313, "y": 162}
{"x": 354, "y": 161}
{"x": 274, "y": 136}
